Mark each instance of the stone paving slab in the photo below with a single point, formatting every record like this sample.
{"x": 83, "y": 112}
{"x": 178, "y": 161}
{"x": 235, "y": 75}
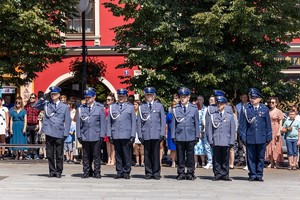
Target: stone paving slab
{"x": 30, "y": 181}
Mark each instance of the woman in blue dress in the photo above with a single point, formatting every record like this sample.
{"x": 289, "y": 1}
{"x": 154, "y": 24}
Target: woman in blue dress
{"x": 171, "y": 145}
{"x": 18, "y": 123}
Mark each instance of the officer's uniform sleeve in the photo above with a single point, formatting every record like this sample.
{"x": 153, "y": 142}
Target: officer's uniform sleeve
{"x": 173, "y": 125}
{"x": 40, "y": 104}
{"x": 78, "y": 124}
{"x": 162, "y": 121}
{"x": 108, "y": 123}
{"x": 269, "y": 126}
{"x": 103, "y": 122}
{"x": 133, "y": 122}
{"x": 232, "y": 130}
{"x": 197, "y": 134}
{"x": 139, "y": 124}
{"x": 67, "y": 121}
{"x": 242, "y": 125}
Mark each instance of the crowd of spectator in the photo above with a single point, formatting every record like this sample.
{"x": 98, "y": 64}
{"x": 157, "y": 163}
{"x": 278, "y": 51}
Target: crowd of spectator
{"x": 21, "y": 124}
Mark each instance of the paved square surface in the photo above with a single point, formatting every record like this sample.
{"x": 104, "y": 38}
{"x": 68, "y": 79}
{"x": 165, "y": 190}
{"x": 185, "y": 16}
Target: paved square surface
{"x": 28, "y": 180}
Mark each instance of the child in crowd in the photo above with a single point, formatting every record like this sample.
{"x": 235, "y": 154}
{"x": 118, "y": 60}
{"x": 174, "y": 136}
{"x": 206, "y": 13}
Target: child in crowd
{"x": 291, "y": 128}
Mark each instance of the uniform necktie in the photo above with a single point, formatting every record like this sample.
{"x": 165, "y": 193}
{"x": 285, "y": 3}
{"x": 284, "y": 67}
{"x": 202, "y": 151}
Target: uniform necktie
{"x": 150, "y": 106}
{"x": 184, "y": 109}
{"x": 221, "y": 115}
{"x": 255, "y": 109}
{"x": 121, "y": 106}
{"x": 89, "y": 109}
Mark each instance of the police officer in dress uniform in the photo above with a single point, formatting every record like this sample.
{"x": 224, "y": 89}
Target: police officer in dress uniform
{"x": 221, "y": 136}
{"x": 121, "y": 131}
{"x": 185, "y": 134}
{"x": 255, "y": 132}
{"x": 91, "y": 127}
{"x": 56, "y": 126}
{"x": 151, "y": 129}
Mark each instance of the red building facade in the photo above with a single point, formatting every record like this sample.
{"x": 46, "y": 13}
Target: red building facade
{"x": 100, "y": 42}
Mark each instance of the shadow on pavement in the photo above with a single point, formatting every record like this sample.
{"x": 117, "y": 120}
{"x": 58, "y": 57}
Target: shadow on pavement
{"x": 240, "y": 178}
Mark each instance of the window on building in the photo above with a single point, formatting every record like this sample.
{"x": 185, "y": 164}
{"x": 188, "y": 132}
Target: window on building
{"x": 76, "y": 23}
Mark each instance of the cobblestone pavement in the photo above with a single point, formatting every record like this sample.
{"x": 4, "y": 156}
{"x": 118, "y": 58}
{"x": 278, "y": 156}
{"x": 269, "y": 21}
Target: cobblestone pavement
{"x": 24, "y": 180}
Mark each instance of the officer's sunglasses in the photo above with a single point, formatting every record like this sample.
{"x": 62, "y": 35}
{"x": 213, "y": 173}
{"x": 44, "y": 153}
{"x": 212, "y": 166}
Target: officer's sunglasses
{"x": 18, "y": 102}
{"x": 32, "y": 97}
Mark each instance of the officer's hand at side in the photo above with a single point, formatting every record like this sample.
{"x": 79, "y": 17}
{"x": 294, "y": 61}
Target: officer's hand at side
{"x": 101, "y": 139}
{"x": 79, "y": 140}
{"x": 174, "y": 140}
{"x": 196, "y": 141}
{"x": 162, "y": 137}
{"x": 131, "y": 140}
{"x": 111, "y": 140}
{"x": 141, "y": 140}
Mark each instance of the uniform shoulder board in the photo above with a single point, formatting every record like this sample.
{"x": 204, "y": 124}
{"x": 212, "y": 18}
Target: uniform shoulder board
{"x": 99, "y": 104}
{"x": 193, "y": 105}
{"x": 177, "y": 105}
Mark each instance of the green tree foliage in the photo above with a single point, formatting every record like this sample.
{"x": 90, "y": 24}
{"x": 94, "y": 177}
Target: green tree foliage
{"x": 95, "y": 70}
{"x": 207, "y": 44}
{"x": 27, "y": 29}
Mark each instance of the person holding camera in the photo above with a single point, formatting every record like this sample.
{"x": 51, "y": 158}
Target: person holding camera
{"x": 291, "y": 129}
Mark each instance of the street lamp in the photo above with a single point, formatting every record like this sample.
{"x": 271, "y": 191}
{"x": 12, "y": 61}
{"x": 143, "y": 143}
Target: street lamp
{"x": 83, "y": 6}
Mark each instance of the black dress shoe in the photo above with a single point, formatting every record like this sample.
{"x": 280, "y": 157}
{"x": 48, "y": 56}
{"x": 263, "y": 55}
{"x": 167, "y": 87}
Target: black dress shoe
{"x": 118, "y": 176}
{"x": 147, "y": 177}
{"x": 190, "y": 177}
{"x": 51, "y": 175}
{"x": 58, "y": 175}
{"x": 260, "y": 179}
{"x": 251, "y": 179}
{"x": 126, "y": 176}
{"x": 180, "y": 177}
{"x": 98, "y": 176}
{"x": 84, "y": 175}
{"x": 157, "y": 177}
{"x": 227, "y": 179}
{"x": 216, "y": 179}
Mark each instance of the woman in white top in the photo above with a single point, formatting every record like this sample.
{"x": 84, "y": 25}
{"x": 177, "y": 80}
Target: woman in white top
{"x": 4, "y": 122}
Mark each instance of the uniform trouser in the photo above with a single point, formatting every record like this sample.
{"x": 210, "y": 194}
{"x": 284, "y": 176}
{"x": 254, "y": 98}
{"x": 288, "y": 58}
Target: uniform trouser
{"x": 91, "y": 152}
{"x": 255, "y": 159}
{"x": 152, "y": 157}
{"x": 32, "y": 138}
{"x": 55, "y": 153}
{"x": 221, "y": 161}
{"x": 123, "y": 156}
{"x": 185, "y": 157}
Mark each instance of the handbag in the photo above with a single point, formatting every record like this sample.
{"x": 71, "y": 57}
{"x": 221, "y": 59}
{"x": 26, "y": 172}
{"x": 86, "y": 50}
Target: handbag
{"x": 285, "y": 135}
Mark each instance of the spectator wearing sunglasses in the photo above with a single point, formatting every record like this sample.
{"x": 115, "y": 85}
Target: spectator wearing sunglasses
{"x": 274, "y": 149}
{"x": 18, "y": 123}
{"x": 32, "y": 126}
{"x": 110, "y": 148}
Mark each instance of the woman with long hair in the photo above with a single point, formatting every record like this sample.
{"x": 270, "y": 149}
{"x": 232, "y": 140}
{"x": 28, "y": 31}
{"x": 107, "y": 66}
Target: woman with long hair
{"x": 274, "y": 148}
{"x": 18, "y": 123}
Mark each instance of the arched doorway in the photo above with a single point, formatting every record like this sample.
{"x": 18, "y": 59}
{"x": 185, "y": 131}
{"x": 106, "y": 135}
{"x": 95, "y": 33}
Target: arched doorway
{"x": 72, "y": 88}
